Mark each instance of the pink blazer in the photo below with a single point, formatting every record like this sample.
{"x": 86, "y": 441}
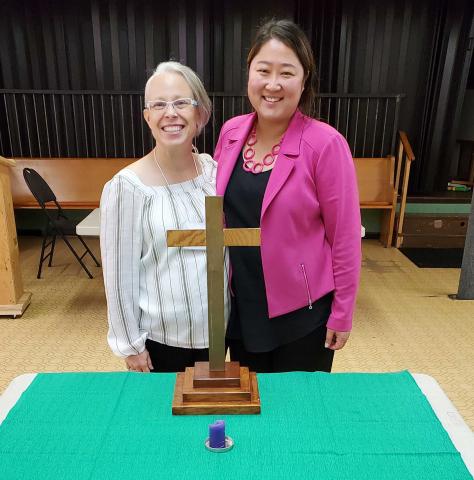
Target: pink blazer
{"x": 310, "y": 220}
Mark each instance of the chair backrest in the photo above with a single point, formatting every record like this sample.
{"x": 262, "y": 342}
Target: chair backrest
{"x": 38, "y": 186}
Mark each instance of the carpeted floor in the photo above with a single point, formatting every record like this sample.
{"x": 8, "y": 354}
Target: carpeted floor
{"x": 404, "y": 320}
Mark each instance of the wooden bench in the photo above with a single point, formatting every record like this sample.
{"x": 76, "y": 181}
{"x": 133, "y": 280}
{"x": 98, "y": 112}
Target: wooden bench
{"x": 404, "y": 158}
{"x": 383, "y": 182}
{"x": 377, "y": 190}
{"x": 78, "y": 183}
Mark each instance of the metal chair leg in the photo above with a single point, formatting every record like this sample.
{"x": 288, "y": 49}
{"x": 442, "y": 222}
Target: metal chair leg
{"x": 43, "y": 246}
{"x": 83, "y": 265}
{"x": 51, "y": 253}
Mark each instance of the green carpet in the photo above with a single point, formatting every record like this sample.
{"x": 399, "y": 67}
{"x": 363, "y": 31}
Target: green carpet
{"x": 312, "y": 426}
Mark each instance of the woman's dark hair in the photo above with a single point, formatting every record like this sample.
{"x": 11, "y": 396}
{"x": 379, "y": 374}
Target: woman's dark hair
{"x": 288, "y": 33}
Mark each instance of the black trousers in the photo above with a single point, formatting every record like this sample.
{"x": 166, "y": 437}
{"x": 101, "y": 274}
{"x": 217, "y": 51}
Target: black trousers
{"x": 306, "y": 354}
{"x": 174, "y": 359}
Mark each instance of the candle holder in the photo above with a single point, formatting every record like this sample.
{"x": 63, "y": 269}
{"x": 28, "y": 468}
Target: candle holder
{"x": 229, "y": 443}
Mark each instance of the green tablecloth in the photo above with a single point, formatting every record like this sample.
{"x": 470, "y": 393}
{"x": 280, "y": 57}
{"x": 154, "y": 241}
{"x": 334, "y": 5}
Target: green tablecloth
{"x": 312, "y": 426}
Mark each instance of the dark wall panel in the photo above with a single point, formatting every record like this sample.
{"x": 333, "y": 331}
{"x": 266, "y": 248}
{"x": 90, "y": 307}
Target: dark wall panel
{"x": 115, "y": 44}
{"x": 411, "y": 47}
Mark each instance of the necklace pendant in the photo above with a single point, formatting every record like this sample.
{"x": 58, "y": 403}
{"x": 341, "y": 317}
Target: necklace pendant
{"x": 249, "y": 153}
{"x": 248, "y": 165}
{"x": 268, "y": 159}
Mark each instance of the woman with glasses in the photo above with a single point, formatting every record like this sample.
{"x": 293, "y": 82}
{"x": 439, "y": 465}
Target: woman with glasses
{"x": 157, "y": 296}
{"x": 292, "y": 176}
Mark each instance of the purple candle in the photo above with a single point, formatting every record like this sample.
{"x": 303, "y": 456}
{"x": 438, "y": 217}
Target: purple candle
{"x": 217, "y": 434}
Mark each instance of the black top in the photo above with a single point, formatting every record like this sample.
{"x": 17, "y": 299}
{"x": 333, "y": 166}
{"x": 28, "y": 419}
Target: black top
{"x": 249, "y": 319}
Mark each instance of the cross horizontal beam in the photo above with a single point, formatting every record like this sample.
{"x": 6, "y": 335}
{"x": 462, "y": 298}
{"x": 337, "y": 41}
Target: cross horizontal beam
{"x": 233, "y": 237}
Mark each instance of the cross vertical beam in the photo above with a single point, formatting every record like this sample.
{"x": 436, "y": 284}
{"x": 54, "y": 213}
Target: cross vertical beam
{"x": 215, "y": 282}
{"x": 215, "y": 238}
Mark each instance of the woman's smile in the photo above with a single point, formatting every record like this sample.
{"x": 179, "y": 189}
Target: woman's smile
{"x": 272, "y": 99}
{"x": 173, "y": 129}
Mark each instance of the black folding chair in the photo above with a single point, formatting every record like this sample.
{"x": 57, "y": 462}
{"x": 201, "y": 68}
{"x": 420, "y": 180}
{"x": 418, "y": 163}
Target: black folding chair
{"x": 57, "y": 223}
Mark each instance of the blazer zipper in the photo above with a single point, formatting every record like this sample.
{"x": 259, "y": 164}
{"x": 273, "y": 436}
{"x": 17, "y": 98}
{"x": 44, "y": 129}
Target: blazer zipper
{"x": 310, "y": 306}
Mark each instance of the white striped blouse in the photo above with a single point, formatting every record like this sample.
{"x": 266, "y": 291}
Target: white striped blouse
{"x": 153, "y": 291}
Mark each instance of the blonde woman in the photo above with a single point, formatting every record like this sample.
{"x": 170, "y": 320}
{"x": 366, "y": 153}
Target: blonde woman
{"x": 157, "y": 296}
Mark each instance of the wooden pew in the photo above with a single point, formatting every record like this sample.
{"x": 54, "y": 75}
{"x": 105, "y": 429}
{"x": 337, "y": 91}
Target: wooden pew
{"x": 76, "y": 182}
{"x": 378, "y": 190}
{"x": 404, "y": 158}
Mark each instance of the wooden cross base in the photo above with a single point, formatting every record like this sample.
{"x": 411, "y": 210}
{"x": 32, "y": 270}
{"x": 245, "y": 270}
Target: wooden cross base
{"x": 199, "y": 391}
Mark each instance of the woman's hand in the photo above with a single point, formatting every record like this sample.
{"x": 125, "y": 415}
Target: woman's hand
{"x": 336, "y": 340}
{"x": 140, "y": 362}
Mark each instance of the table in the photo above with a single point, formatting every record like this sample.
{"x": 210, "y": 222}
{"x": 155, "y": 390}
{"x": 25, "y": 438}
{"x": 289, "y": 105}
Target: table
{"x": 90, "y": 226}
{"x": 119, "y": 425}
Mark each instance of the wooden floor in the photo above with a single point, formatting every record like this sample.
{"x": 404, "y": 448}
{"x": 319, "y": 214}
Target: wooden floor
{"x": 404, "y": 320}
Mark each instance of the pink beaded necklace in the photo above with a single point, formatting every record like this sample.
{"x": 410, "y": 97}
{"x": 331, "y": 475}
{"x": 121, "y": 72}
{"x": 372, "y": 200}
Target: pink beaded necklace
{"x": 251, "y": 165}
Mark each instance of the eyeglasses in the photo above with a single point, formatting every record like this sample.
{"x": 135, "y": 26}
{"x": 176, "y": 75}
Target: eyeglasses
{"x": 179, "y": 104}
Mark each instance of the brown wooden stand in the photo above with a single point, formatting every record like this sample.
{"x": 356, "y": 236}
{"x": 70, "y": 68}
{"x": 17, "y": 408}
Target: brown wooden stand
{"x": 199, "y": 391}
{"x": 13, "y": 300}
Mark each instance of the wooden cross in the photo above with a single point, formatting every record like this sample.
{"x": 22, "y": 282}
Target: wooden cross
{"x": 215, "y": 238}
{"x": 216, "y": 386}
